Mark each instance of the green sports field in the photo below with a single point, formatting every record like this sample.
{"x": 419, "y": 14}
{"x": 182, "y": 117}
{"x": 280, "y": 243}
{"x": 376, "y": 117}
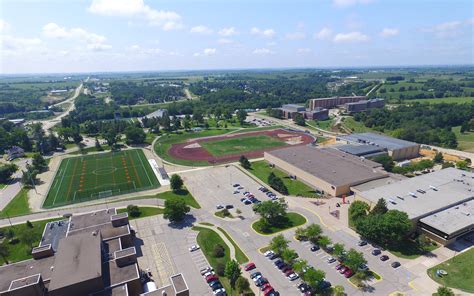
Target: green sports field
{"x": 240, "y": 145}
{"x": 86, "y": 178}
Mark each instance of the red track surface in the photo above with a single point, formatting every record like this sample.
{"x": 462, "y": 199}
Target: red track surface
{"x": 179, "y": 151}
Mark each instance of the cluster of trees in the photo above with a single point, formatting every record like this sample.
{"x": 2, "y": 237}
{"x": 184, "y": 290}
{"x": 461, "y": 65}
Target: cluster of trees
{"x": 299, "y": 119}
{"x": 379, "y": 224}
{"x": 10, "y": 135}
{"x": 427, "y": 124}
{"x": 38, "y": 165}
{"x": 6, "y": 171}
{"x": 244, "y": 162}
{"x": 271, "y": 213}
{"x": 277, "y": 183}
{"x": 389, "y": 165}
{"x": 274, "y": 112}
{"x": 151, "y": 91}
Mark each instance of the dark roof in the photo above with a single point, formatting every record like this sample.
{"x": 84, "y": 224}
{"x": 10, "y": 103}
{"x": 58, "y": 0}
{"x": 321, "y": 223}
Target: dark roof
{"x": 359, "y": 150}
{"x": 378, "y": 140}
{"x": 90, "y": 219}
{"x": 333, "y": 166}
{"x": 23, "y": 269}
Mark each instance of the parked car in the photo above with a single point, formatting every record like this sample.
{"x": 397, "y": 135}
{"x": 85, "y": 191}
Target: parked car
{"x": 324, "y": 285}
{"x": 265, "y": 286}
{"x": 348, "y": 273}
{"x": 249, "y": 266}
{"x": 255, "y": 279}
{"x": 384, "y": 257}
{"x": 289, "y": 271}
{"x": 211, "y": 278}
{"x": 229, "y": 207}
{"x": 240, "y": 187}
{"x": 208, "y": 273}
{"x": 364, "y": 267}
{"x": 193, "y": 248}
{"x": 343, "y": 269}
{"x": 268, "y": 253}
{"x": 216, "y": 286}
{"x": 376, "y": 252}
{"x": 270, "y": 292}
{"x": 220, "y": 291}
{"x": 236, "y": 185}
{"x": 314, "y": 248}
{"x": 255, "y": 274}
{"x": 247, "y": 202}
{"x": 339, "y": 266}
{"x": 206, "y": 270}
{"x": 395, "y": 264}
{"x": 303, "y": 287}
{"x": 261, "y": 281}
{"x": 331, "y": 260}
{"x": 281, "y": 266}
{"x": 293, "y": 276}
{"x": 219, "y": 207}
{"x": 362, "y": 243}
{"x": 236, "y": 192}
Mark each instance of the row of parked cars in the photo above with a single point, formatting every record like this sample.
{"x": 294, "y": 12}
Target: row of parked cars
{"x": 377, "y": 252}
{"x": 262, "y": 283}
{"x": 213, "y": 281}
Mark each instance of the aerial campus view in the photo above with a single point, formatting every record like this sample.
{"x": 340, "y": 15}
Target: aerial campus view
{"x": 157, "y": 147}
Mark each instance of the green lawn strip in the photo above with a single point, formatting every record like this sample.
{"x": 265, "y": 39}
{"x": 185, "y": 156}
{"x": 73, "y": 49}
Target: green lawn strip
{"x": 18, "y": 206}
{"x": 460, "y": 271}
{"x": 409, "y": 249}
{"x": 221, "y": 214}
{"x": 207, "y": 239}
{"x": 293, "y": 220}
{"x": 262, "y": 170}
{"x": 2, "y": 185}
{"x": 456, "y": 100}
{"x": 206, "y": 223}
{"x": 239, "y": 145}
{"x": 90, "y": 149}
{"x": 171, "y": 195}
{"x": 323, "y": 124}
{"x": 239, "y": 254}
{"x": 164, "y": 143}
{"x": 465, "y": 140}
{"x": 148, "y": 170}
{"x": 355, "y": 126}
{"x": 20, "y": 251}
{"x": 144, "y": 212}
{"x": 264, "y": 249}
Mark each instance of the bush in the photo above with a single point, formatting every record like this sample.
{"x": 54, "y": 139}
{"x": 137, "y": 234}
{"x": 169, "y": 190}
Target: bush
{"x": 29, "y": 224}
{"x": 220, "y": 269}
{"x": 133, "y": 211}
{"x": 218, "y": 251}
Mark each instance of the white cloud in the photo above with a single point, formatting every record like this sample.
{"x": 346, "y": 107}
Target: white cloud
{"x": 94, "y": 41}
{"x": 18, "y": 46}
{"x": 348, "y": 3}
{"x": 271, "y": 43}
{"x": 351, "y": 37}
{"x": 206, "y": 52}
{"x": 324, "y": 33}
{"x": 4, "y": 26}
{"x": 389, "y": 32}
{"x": 295, "y": 36}
{"x": 262, "y": 51}
{"x": 201, "y": 30}
{"x": 228, "y": 32}
{"x": 225, "y": 41}
{"x": 137, "y": 9}
{"x": 268, "y": 33}
{"x": 447, "y": 29}
{"x": 304, "y": 50}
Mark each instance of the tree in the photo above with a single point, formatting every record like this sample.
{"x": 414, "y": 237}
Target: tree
{"x": 462, "y": 165}
{"x": 6, "y": 171}
{"x": 220, "y": 269}
{"x": 39, "y": 163}
{"x": 244, "y": 162}
{"x": 438, "y": 158}
{"x": 242, "y": 284}
{"x": 395, "y": 225}
{"x": 386, "y": 161}
{"x": 357, "y": 210}
{"x": 277, "y": 183}
{"x": 279, "y": 243}
{"x": 29, "y": 224}
{"x": 380, "y": 207}
{"x": 4, "y": 252}
{"x": 241, "y": 116}
{"x": 135, "y": 135}
{"x": 300, "y": 233}
{"x": 339, "y": 290}
{"x": 354, "y": 260}
{"x": 218, "y": 251}
{"x": 98, "y": 147}
{"x": 232, "y": 272}
{"x": 444, "y": 291}
{"x": 324, "y": 241}
{"x": 175, "y": 210}
{"x": 289, "y": 256}
{"x": 300, "y": 267}
{"x": 176, "y": 182}
{"x": 29, "y": 176}
{"x": 299, "y": 119}
{"x": 314, "y": 277}
{"x": 133, "y": 211}
{"x": 274, "y": 213}
{"x": 339, "y": 249}
{"x": 313, "y": 232}
{"x": 111, "y": 137}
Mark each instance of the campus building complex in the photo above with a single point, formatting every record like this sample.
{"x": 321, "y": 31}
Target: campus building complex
{"x": 333, "y": 101}
{"x": 327, "y": 170}
{"x": 396, "y": 148}
{"x": 364, "y": 105}
{"x": 290, "y": 110}
{"x": 440, "y": 204}
{"x": 89, "y": 254}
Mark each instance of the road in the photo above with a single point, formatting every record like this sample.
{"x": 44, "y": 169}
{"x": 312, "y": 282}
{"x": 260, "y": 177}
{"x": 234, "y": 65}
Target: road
{"x": 12, "y": 189}
{"x": 49, "y": 123}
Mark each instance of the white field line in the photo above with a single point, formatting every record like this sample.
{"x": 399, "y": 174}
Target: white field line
{"x": 61, "y": 182}
{"x": 149, "y": 180}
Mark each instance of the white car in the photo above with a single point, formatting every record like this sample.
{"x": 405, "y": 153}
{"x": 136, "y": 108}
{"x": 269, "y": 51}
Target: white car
{"x": 205, "y": 270}
{"x": 331, "y": 260}
{"x": 268, "y": 253}
{"x": 219, "y": 207}
{"x": 221, "y": 290}
{"x": 208, "y": 273}
{"x": 293, "y": 276}
{"x": 255, "y": 279}
{"x": 193, "y": 248}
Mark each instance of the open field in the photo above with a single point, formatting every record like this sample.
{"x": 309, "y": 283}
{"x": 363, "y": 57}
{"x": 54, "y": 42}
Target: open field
{"x": 98, "y": 176}
{"x": 18, "y": 206}
{"x": 460, "y": 271}
{"x": 465, "y": 140}
{"x": 262, "y": 170}
{"x": 144, "y": 212}
{"x": 458, "y": 100}
{"x": 356, "y": 127}
{"x": 230, "y": 147}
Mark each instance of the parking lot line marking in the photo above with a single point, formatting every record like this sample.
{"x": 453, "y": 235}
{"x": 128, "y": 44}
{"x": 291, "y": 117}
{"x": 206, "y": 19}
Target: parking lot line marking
{"x": 412, "y": 286}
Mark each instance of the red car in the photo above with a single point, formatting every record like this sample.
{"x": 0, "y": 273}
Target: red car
{"x": 249, "y": 266}
{"x": 211, "y": 278}
{"x": 343, "y": 269}
{"x": 266, "y": 286}
{"x": 339, "y": 266}
{"x": 348, "y": 273}
{"x": 267, "y": 291}
{"x": 288, "y": 272}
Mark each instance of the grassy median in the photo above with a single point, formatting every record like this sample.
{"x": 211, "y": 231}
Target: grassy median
{"x": 291, "y": 220}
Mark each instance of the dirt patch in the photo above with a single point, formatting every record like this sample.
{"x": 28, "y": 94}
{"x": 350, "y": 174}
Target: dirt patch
{"x": 431, "y": 154}
{"x": 192, "y": 150}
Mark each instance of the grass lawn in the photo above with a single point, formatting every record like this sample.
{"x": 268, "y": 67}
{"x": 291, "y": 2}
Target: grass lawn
{"x": 144, "y": 212}
{"x": 240, "y": 145}
{"x": 18, "y": 206}
{"x": 222, "y": 214}
{"x": 409, "y": 249}
{"x": 20, "y": 251}
{"x": 355, "y": 126}
{"x": 457, "y": 100}
{"x": 262, "y": 170}
{"x": 465, "y": 140}
{"x": 359, "y": 281}
{"x": 164, "y": 143}
{"x": 292, "y": 220}
{"x": 167, "y": 195}
{"x": 323, "y": 124}
{"x": 239, "y": 255}
{"x": 90, "y": 149}
{"x": 460, "y": 271}
{"x": 92, "y": 177}
{"x": 2, "y": 185}
{"x": 207, "y": 239}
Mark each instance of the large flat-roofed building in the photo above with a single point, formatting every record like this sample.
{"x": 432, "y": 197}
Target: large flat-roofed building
{"x": 398, "y": 149}
{"x": 366, "y": 151}
{"x": 333, "y": 101}
{"x": 440, "y": 204}
{"x": 327, "y": 170}
{"x": 364, "y": 105}
{"x": 290, "y": 110}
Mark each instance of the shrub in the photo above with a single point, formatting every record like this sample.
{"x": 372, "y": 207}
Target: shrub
{"x": 220, "y": 269}
{"x": 133, "y": 211}
{"x": 218, "y": 251}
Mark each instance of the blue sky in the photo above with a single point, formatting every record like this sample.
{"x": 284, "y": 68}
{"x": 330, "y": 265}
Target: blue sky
{"x": 143, "y": 35}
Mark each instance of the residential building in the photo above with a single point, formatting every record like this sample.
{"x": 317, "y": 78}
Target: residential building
{"x": 333, "y": 101}
{"x": 14, "y": 152}
{"x": 364, "y": 105}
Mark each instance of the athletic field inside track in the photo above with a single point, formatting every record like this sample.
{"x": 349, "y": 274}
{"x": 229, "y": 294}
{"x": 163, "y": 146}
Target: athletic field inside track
{"x": 91, "y": 177}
